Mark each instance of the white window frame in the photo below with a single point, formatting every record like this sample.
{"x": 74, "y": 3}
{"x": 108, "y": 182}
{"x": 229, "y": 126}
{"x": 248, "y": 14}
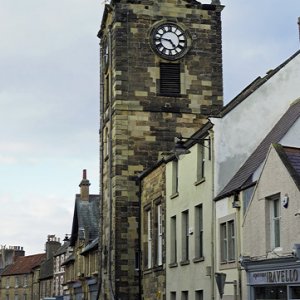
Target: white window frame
{"x": 200, "y": 162}
{"x": 173, "y": 237}
{"x": 159, "y": 234}
{"x": 174, "y": 177}
{"x": 275, "y": 216}
{"x": 199, "y": 231}
{"x": 149, "y": 237}
{"x": 185, "y": 236}
{"x": 227, "y": 241}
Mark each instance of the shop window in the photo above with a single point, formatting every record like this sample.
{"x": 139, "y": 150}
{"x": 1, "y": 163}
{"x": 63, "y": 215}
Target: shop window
{"x": 185, "y": 236}
{"x": 272, "y": 292}
{"x": 173, "y": 257}
{"x": 198, "y": 231}
{"x": 294, "y": 292}
{"x": 227, "y": 241}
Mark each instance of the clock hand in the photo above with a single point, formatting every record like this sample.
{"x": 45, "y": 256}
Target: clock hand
{"x": 170, "y": 41}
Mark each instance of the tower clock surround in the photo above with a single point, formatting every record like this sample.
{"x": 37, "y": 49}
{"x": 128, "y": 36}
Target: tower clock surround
{"x": 169, "y": 40}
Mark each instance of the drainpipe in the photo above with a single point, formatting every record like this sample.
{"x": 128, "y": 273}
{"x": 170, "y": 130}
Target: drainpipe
{"x": 140, "y": 238}
{"x": 239, "y": 244}
{"x": 100, "y": 185}
{"x": 213, "y": 215}
{"x": 112, "y": 294}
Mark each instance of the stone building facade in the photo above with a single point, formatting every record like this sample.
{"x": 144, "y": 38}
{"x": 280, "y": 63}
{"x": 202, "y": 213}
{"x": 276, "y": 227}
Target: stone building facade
{"x": 153, "y": 244}
{"x": 161, "y": 75}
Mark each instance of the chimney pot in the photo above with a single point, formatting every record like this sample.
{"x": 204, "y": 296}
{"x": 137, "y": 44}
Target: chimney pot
{"x": 84, "y": 186}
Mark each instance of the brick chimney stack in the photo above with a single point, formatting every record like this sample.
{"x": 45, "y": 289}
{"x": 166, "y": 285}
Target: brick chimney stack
{"x": 84, "y": 187}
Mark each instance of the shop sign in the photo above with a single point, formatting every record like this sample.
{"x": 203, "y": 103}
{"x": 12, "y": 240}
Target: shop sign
{"x": 275, "y": 276}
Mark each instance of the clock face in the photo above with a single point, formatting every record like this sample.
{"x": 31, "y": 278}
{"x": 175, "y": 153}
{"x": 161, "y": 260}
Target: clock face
{"x": 169, "y": 41}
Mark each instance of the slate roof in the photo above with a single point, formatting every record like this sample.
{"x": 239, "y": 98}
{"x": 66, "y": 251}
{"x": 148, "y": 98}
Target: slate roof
{"x": 91, "y": 246}
{"x": 24, "y": 264}
{"x": 69, "y": 260}
{"x": 290, "y": 156}
{"x": 243, "y": 175}
{"x": 63, "y": 249}
{"x": 86, "y": 216}
{"x": 46, "y": 270}
{"x": 252, "y": 87}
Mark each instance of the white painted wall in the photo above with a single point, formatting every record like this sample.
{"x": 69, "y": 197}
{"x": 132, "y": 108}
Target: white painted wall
{"x": 193, "y": 276}
{"x": 274, "y": 179}
{"x": 241, "y": 130}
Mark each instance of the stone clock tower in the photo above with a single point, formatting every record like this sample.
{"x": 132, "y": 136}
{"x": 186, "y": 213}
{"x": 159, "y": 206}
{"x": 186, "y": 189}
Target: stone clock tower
{"x": 161, "y": 76}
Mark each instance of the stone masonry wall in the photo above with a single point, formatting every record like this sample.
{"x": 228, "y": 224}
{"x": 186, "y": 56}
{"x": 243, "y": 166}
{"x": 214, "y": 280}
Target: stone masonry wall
{"x": 141, "y": 123}
{"x": 153, "y": 193}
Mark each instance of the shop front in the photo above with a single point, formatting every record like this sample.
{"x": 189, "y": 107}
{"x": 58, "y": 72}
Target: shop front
{"x": 276, "y": 278}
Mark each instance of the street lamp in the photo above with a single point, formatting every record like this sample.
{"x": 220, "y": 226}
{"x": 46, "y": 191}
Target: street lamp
{"x": 181, "y": 146}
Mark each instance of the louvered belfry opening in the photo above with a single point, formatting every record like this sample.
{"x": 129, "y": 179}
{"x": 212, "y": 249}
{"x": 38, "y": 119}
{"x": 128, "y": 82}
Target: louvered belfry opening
{"x": 170, "y": 79}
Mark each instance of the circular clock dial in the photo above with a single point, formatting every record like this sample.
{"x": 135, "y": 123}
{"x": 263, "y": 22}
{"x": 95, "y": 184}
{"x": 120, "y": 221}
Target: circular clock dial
{"x": 170, "y": 41}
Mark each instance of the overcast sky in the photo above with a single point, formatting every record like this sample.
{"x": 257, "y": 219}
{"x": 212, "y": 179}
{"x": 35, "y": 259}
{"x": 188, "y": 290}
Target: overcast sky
{"x": 49, "y": 100}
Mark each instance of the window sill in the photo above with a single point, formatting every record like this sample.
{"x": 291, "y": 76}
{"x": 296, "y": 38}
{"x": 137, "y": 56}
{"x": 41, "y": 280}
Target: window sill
{"x": 147, "y": 271}
{"x": 173, "y": 265}
{"x": 153, "y": 269}
{"x": 157, "y": 268}
{"x": 228, "y": 265}
{"x": 199, "y": 181}
{"x": 198, "y": 259}
{"x": 175, "y": 95}
{"x": 185, "y": 262}
{"x": 174, "y": 195}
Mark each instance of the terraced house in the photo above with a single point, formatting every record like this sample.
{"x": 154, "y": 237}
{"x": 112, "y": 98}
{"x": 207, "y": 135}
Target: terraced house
{"x": 18, "y": 281}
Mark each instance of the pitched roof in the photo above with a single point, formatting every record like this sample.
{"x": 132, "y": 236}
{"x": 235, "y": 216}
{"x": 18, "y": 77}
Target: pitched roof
{"x": 62, "y": 249}
{"x": 252, "y": 87}
{"x": 24, "y": 264}
{"x": 86, "y": 217}
{"x": 46, "y": 271}
{"x": 257, "y": 157}
{"x": 91, "y": 246}
{"x": 290, "y": 156}
{"x": 69, "y": 260}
